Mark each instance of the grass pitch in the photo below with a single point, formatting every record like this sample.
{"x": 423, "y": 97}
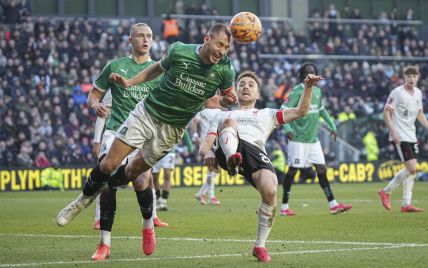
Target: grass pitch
{"x": 221, "y": 236}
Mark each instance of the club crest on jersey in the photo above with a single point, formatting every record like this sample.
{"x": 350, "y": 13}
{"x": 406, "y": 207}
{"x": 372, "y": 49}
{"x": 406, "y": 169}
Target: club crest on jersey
{"x": 186, "y": 65}
{"x": 212, "y": 75}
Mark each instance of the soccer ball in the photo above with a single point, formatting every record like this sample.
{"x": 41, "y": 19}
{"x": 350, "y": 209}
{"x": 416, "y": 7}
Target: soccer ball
{"x": 246, "y": 27}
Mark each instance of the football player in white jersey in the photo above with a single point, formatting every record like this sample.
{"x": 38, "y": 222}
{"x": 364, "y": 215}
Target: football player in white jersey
{"x": 240, "y": 144}
{"x": 201, "y": 123}
{"x": 403, "y": 107}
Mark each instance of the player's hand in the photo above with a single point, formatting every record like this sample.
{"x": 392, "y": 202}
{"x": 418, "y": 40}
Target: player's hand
{"x": 96, "y": 149}
{"x": 290, "y": 135}
{"x": 228, "y": 99}
{"x": 333, "y": 135}
{"x": 312, "y": 79}
{"x": 210, "y": 160}
{"x": 101, "y": 110}
{"x": 118, "y": 79}
{"x": 395, "y": 137}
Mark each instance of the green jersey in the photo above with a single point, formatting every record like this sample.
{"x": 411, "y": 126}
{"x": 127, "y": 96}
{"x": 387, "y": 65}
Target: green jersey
{"x": 305, "y": 128}
{"x": 186, "y": 84}
{"x": 124, "y": 100}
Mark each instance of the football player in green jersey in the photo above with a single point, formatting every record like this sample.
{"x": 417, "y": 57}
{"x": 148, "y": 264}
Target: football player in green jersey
{"x": 192, "y": 74}
{"x": 122, "y": 101}
{"x": 304, "y": 148}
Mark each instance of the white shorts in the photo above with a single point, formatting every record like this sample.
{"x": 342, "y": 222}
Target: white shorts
{"x": 168, "y": 161}
{"x": 302, "y": 155}
{"x": 155, "y": 138}
{"x": 107, "y": 141}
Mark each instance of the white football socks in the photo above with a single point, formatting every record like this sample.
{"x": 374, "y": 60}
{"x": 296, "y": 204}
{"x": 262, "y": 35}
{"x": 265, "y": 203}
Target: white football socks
{"x": 105, "y": 237}
{"x": 396, "y": 181}
{"x": 211, "y": 183}
{"x": 97, "y": 208}
{"x": 407, "y": 189}
{"x": 265, "y": 215}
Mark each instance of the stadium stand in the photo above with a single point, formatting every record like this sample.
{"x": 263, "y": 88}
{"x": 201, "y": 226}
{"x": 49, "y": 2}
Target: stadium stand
{"x": 47, "y": 67}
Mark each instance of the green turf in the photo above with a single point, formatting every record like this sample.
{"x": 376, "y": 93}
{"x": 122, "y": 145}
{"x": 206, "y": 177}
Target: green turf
{"x": 223, "y": 235}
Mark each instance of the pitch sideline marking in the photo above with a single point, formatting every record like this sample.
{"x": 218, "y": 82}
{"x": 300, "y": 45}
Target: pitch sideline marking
{"x": 228, "y": 240}
{"x": 204, "y": 256}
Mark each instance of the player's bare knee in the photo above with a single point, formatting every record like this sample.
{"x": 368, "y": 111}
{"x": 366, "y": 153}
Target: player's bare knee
{"x": 412, "y": 171}
{"x": 140, "y": 184}
{"x": 107, "y": 166}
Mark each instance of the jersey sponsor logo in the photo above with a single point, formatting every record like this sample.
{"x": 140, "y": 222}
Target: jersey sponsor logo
{"x": 124, "y": 71}
{"x": 123, "y": 131}
{"x": 248, "y": 121}
{"x": 187, "y": 83}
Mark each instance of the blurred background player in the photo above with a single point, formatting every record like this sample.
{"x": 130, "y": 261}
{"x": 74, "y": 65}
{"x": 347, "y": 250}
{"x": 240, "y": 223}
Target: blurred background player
{"x": 167, "y": 163}
{"x": 304, "y": 148}
{"x": 200, "y": 124}
{"x": 240, "y": 145}
{"x": 122, "y": 101}
{"x": 403, "y": 107}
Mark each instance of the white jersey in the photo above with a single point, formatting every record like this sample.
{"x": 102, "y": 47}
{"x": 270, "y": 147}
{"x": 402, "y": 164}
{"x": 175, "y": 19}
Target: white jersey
{"x": 205, "y": 117}
{"x": 405, "y": 108}
{"x": 254, "y": 125}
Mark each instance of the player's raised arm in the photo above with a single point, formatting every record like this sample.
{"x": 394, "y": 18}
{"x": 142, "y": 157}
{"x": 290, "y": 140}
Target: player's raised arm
{"x": 146, "y": 75}
{"x": 305, "y": 101}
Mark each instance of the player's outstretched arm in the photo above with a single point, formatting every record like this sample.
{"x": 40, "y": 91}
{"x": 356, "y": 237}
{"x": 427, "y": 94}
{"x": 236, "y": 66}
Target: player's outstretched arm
{"x": 305, "y": 101}
{"x": 144, "y": 76}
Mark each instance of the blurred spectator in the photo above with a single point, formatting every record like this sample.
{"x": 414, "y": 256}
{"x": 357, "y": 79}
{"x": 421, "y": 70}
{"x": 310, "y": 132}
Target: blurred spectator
{"x": 371, "y": 146}
{"x": 170, "y": 29}
{"x": 52, "y": 177}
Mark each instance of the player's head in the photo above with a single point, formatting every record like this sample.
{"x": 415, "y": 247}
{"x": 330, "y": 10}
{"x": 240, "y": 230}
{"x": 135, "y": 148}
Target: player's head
{"x": 306, "y": 69}
{"x": 248, "y": 89}
{"x": 411, "y": 75}
{"x": 216, "y": 43}
{"x": 140, "y": 38}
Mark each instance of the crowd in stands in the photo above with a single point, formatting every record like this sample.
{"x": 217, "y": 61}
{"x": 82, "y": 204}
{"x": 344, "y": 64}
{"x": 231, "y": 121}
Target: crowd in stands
{"x": 47, "y": 67}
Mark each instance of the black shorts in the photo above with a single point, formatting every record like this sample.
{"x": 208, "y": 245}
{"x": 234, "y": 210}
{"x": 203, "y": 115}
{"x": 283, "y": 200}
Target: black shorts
{"x": 253, "y": 159}
{"x": 406, "y": 150}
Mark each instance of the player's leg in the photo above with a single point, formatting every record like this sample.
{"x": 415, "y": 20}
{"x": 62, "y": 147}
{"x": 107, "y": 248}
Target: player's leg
{"x": 266, "y": 183}
{"x": 228, "y": 141}
{"x": 96, "y": 181}
{"x": 156, "y": 184}
{"x": 335, "y": 207}
{"x": 401, "y": 150}
{"x": 297, "y": 155}
{"x": 166, "y": 188}
{"x": 286, "y": 186}
{"x": 96, "y": 224}
{"x": 107, "y": 214}
{"x": 156, "y": 221}
{"x": 144, "y": 195}
{"x": 201, "y": 194}
{"x": 408, "y": 188}
{"x": 211, "y": 185}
